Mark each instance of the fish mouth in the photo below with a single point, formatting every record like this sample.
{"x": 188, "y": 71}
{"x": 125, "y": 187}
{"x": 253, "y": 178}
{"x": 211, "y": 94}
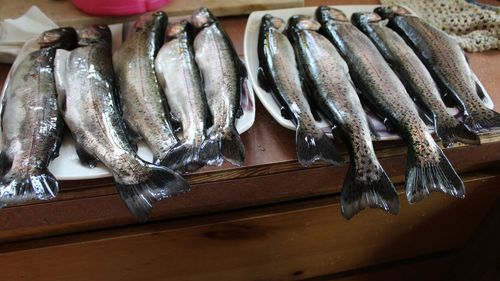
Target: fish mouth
{"x": 93, "y": 34}
{"x": 150, "y": 19}
{"x": 202, "y": 17}
{"x": 303, "y": 22}
{"x": 390, "y": 11}
{"x": 55, "y": 36}
{"x": 366, "y": 17}
{"x": 332, "y": 13}
{"x": 174, "y": 29}
{"x": 275, "y": 22}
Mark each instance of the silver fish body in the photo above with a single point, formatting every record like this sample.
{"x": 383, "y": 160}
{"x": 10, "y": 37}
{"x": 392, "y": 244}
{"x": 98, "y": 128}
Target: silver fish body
{"x": 280, "y": 75}
{"x": 180, "y": 77}
{"x": 31, "y": 123}
{"x": 428, "y": 169}
{"x": 224, "y": 77}
{"x": 331, "y": 88}
{"x": 446, "y": 61}
{"x": 142, "y": 100}
{"x": 86, "y": 88}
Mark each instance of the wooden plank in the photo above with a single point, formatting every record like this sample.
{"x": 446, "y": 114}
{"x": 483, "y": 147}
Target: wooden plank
{"x": 64, "y": 13}
{"x": 435, "y": 267}
{"x": 272, "y": 243}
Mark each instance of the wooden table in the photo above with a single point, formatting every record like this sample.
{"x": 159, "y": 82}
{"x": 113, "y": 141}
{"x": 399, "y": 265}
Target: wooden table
{"x": 268, "y": 220}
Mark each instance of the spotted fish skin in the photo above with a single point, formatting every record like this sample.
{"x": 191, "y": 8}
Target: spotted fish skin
{"x": 447, "y": 63}
{"x": 225, "y": 78}
{"x": 86, "y": 90}
{"x": 180, "y": 77}
{"x": 428, "y": 169}
{"x": 280, "y": 75}
{"x": 32, "y": 126}
{"x": 331, "y": 88}
{"x": 142, "y": 100}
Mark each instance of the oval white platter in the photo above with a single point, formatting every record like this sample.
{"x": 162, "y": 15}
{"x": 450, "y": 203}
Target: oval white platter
{"x": 68, "y": 167}
{"x": 251, "y": 36}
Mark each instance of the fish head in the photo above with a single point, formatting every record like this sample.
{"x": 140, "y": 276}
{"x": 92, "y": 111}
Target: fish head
{"x": 388, "y": 12}
{"x": 94, "y": 34}
{"x": 202, "y": 17}
{"x": 273, "y": 22}
{"x": 64, "y": 37}
{"x": 156, "y": 20}
{"x": 175, "y": 30}
{"x": 364, "y": 18}
{"x": 327, "y": 14}
{"x": 302, "y": 22}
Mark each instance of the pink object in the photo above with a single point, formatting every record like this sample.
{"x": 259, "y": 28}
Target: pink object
{"x": 118, "y": 7}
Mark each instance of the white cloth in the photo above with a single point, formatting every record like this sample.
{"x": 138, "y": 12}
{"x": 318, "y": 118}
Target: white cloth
{"x": 15, "y": 32}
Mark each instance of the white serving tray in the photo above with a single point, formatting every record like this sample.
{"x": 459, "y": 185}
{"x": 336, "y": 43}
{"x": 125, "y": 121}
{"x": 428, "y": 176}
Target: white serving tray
{"x": 252, "y": 61}
{"x": 68, "y": 167}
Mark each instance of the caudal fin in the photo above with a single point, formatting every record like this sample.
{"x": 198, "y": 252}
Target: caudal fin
{"x": 161, "y": 183}
{"x": 484, "y": 121}
{"x": 371, "y": 189}
{"x": 41, "y": 186}
{"x": 315, "y": 145}
{"x": 451, "y": 131}
{"x": 223, "y": 144}
{"x": 436, "y": 174}
{"x": 183, "y": 157}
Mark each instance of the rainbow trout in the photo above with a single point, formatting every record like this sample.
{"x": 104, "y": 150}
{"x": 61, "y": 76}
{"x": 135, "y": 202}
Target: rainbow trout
{"x": 280, "y": 76}
{"x": 87, "y": 100}
{"x": 447, "y": 63}
{"x": 31, "y": 123}
{"x": 428, "y": 169}
{"x": 414, "y": 75}
{"x": 331, "y": 89}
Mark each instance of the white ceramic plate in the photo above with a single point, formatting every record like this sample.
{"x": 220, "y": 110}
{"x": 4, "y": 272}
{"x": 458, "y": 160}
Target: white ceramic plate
{"x": 252, "y": 61}
{"x": 68, "y": 167}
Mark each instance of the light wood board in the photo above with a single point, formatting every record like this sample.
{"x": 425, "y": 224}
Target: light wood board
{"x": 63, "y": 12}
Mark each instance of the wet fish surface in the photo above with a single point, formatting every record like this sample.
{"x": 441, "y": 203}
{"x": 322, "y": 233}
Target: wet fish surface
{"x": 332, "y": 90}
{"x": 447, "y": 63}
{"x": 144, "y": 106}
{"x": 428, "y": 169}
{"x": 180, "y": 76}
{"x": 32, "y": 126}
{"x": 224, "y": 77}
{"x": 88, "y": 104}
{"x": 280, "y": 76}
{"x": 414, "y": 75}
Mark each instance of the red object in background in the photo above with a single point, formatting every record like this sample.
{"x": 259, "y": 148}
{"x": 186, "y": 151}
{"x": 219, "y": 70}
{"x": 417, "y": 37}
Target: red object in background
{"x": 118, "y": 7}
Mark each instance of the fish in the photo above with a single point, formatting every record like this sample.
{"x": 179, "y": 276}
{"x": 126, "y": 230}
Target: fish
{"x": 279, "y": 75}
{"x": 448, "y": 65}
{"x": 225, "y": 80}
{"x": 87, "y": 99}
{"x": 180, "y": 78}
{"x": 428, "y": 169}
{"x": 331, "y": 89}
{"x": 32, "y": 127}
{"x": 144, "y": 106}
{"x": 415, "y": 76}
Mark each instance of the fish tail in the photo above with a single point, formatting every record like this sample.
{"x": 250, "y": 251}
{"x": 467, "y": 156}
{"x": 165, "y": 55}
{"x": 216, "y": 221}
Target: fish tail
{"x": 315, "y": 145}
{"x": 161, "y": 183}
{"x": 371, "y": 189}
{"x": 223, "y": 144}
{"x": 183, "y": 157}
{"x": 453, "y": 130}
{"x": 40, "y": 186}
{"x": 437, "y": 174}
{"x": 483, "y": 121}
